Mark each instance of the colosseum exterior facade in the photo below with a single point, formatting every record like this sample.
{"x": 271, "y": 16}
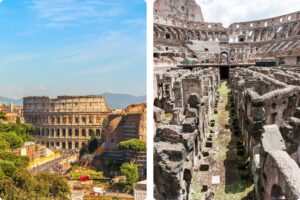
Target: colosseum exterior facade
{"x": 66, "y": 122}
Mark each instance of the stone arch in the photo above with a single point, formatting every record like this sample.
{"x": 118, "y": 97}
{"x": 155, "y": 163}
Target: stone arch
{"x": 70, "y": 132}
{"x": 257, "y": 35}
{"x": 64, "y": 132}
{"x": 64, "y": 120}
{"x": 277, "y": 193}
{"x": 83, "y": 132}
{"x": 70, "y": 119}
{"x": 98, "y": 132}
{"x": 57, "y": 132}
{"x": 281, "y": 176}
{"x": 211, "y": 36}
{"x": 168, "y": 36}
{"x": 70, "y": 146}
{"x": 91, "y": 132}
{"x": 83, "y": 119}
{"x": 223, "y": 37}
{"x": 191, "y": 35}
{"x": 64, "y": 145}
{"x": 272, "y": 33}
{"x": 264, "y": 35}
{"x": 76, "y": 145}
{"x": 224, "y": 56}
{"x": 198, "y": 35}
{"x": 173, "y": 36}
{"x": 204, "y": 35}
{"x": 178, "y": 33}
{"x": 285, "y": 32}
{"x": 76, "y": 132}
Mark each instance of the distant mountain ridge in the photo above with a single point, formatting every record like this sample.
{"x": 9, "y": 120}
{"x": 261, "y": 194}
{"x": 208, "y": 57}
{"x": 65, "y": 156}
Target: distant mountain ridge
{"x": 114, "y": 100}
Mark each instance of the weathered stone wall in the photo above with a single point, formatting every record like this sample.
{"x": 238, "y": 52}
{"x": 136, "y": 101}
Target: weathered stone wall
{"x": 264, "y": 100}
{"x": 182, "y": 128}
{"x": 66, "y": 122}
{"x": 275, "y": 38}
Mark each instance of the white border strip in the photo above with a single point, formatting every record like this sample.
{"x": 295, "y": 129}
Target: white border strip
{"x": 150, "y": 124}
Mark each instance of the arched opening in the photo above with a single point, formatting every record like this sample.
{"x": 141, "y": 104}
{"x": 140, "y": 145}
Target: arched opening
{"x": 63, "y": 145}
{"x": 98, "y": 132}
{"x": 57, "y": 133}
{"x": 187, "y": 177}
{"x": 64, "y": 132}
{"x": 70, "y": 145}
{"x": 168, "y": 36}
{"x": 224, "y": 57}
{"x": 76, "y": 132}
{"x": 91, "y": 132}
{"x": 277, "y": 193}
{"x": 70, "y": 132}
{"x": 76, "y": 145}
{"x": 83, "y": 133}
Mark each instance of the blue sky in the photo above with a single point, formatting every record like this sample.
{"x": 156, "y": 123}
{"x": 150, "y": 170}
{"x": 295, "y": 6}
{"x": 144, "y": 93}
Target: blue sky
{"x": 73, "y": 47}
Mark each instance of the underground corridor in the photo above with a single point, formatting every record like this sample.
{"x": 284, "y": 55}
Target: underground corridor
{"x": 224, "y": 172}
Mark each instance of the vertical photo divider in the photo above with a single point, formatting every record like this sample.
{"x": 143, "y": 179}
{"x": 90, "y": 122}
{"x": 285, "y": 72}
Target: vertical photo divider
{"x": 150, "y": 125}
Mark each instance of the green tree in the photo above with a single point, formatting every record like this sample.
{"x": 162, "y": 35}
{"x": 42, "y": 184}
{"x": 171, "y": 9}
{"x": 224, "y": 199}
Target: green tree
{"x": 133, "y": 144}
{"x": 104, "y": 122}
{"x": 24, "y": 180}
{"x": 57, "y": 186}
{"x": 19, "y": 161}
{"x": 93, "y": 145}
{"x": 12, "y": 138}
{"x": 18, "y": 121}
{"x": 130, "y": 170}
{"x": 8, "y": 168}
{"x": 4, "y": 145}
{"x": 3, "y": 116}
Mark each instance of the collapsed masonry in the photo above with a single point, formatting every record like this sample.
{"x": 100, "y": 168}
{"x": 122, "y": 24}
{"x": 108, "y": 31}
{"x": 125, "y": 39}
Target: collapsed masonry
{"x": 184, "y": 105}
{"x": 267, "y": 104}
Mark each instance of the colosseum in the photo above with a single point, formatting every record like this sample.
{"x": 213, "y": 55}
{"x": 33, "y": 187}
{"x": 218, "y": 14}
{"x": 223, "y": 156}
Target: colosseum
{"x": 226, "y": 106}
{"x": 66, "y": 122}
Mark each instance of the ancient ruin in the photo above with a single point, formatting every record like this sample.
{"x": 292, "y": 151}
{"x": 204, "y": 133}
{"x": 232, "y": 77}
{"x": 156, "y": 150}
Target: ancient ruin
{"x": 66, "y": 122}
{"x": 226, "y": 106}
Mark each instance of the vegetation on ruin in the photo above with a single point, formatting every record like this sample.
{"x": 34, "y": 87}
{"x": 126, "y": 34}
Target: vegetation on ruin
{"x": 77, "y": 172}
{"x": 130, "y": 171}
{"x": 168, "y": 116}
{"x": 133, "y": 144}
{"x": 91, "y": 147}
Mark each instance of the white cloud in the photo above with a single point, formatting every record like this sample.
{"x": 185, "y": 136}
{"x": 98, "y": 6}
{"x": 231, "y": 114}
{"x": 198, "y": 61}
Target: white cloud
{"x": 60, "y": 13}
{"x": 228, "y": 12}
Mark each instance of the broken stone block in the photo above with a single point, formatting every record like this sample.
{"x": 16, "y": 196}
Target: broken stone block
{"x": 189, "y": 125}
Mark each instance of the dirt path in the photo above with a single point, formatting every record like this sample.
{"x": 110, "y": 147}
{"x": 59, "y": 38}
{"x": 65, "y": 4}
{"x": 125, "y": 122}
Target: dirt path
{"x": 223, "y": 160}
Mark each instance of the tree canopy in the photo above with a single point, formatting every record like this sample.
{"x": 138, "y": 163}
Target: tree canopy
{"x": 130, "y": 170}
{"x": 133, "y": 144}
